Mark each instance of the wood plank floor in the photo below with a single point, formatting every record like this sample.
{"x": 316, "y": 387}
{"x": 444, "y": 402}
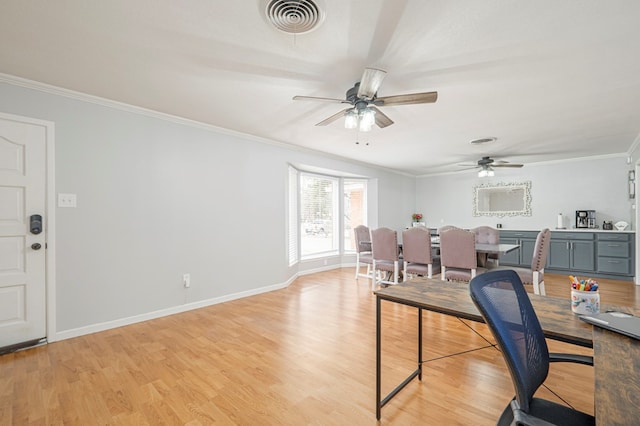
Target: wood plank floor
{"x": 297, "y": 356}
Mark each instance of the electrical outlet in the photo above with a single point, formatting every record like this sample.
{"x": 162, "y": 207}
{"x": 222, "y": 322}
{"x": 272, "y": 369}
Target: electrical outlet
{"x": 186, "y": 280}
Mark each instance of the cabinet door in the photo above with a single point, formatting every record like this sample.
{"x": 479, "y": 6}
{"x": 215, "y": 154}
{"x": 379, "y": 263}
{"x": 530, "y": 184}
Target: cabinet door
{"x": 559, "y": 254}
{"x": 513, "y": 257}
{"x": 526, "y": 252}
{"x": 583, "y": 255}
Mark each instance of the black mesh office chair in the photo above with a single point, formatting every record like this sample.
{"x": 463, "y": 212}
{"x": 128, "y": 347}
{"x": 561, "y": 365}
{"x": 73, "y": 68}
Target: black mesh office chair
{"x": 505, "y": 306}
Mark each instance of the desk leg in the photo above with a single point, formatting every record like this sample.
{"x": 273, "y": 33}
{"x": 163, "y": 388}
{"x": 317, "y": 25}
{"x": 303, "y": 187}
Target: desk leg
{"x": 420, "y": 344}
{"x": 418, "y": 372}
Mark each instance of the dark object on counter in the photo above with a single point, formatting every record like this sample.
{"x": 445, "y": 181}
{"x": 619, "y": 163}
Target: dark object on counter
{"x": 607, "y": 225}
{"x": 586, "y": 219}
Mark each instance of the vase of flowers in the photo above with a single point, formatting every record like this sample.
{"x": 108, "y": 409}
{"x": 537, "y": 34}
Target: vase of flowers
{"x": 417, "y": 218}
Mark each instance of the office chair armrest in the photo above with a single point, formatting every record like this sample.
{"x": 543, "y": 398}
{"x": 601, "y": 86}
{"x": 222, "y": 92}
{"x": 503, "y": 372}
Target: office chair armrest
{"x": 575, "y": 358}
{"x": 522, "y": 418}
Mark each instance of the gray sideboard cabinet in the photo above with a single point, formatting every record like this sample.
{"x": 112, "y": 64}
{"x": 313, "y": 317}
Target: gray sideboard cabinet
{"x": 521, "y": 257}
{"x": 616, "y": 254}
{"x": 604, "y": 254}
{"x": 575, "y": 251}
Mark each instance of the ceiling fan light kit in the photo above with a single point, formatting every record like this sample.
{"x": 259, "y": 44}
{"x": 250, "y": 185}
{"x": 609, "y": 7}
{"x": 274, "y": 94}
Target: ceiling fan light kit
{"x": 486, "y": 172}
{"x": 363, "y": 120}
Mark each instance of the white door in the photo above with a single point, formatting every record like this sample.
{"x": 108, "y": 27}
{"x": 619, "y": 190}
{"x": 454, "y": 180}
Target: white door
{"x": 22, "y": 253}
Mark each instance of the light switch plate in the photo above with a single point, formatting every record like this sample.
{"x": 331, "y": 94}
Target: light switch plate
{"x": 67, "y": 200}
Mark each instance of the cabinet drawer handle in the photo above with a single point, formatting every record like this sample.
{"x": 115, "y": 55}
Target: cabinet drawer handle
{"x": 614, "y": 261}
{"x": 613, "y": 245}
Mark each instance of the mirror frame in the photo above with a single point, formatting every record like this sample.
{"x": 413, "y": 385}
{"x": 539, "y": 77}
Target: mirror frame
{"x": 526, "y": 210}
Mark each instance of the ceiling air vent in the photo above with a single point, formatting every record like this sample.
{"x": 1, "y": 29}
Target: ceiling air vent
{"x": 294, "y": 16}
{"x": 482, "y": 140}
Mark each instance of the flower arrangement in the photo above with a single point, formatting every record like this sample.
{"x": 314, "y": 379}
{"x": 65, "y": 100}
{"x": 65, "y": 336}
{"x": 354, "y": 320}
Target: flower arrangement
{"x": 417, "y": 217}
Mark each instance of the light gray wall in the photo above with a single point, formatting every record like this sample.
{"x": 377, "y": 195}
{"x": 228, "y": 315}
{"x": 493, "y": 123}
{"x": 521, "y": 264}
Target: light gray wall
{"x": 588, "y": 184}
{"x": 157, "y": 199}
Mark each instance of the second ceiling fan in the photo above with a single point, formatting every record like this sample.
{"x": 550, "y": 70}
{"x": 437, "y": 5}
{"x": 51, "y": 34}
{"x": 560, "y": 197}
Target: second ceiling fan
{"x": 364, "y": 100}
{"x": 487, "y": 164}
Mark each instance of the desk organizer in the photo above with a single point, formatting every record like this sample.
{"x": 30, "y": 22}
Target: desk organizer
{"x": 585, "y": 298}
{"x": 585, "y": 302}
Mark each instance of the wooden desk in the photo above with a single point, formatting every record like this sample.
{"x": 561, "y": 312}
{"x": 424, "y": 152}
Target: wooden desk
{"x": 557, "y": 321}
{"x": 616, "y": 363}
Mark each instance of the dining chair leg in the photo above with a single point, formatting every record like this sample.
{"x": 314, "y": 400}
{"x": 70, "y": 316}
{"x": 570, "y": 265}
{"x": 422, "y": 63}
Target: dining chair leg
{"x": 538, "y": 286}
{"x": 374, "y": 276}
{"x": 443, "y": 272}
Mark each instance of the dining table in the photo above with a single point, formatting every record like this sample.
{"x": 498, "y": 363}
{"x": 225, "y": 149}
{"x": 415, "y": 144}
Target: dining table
{"x": 482, "y": 249}
{"x": 499, "y": 248}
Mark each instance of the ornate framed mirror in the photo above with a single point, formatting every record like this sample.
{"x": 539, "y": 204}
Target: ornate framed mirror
{"x": 502, "y": 199}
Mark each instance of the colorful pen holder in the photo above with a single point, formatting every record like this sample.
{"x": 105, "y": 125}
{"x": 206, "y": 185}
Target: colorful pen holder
{"x": 585, "y": 302}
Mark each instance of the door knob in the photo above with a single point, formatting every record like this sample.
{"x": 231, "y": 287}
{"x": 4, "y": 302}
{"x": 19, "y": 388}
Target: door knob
{"x": 36, "y": 246}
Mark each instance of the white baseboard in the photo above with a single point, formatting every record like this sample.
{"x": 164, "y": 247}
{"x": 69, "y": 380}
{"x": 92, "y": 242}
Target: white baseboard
{"x": 95, "y": 328}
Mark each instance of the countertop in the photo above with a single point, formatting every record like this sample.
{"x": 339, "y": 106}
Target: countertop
{"x": 627, "y": 231}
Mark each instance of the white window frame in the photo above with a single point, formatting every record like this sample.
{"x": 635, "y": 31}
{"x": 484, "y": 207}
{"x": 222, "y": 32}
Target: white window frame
{"x": 294, "y": 219}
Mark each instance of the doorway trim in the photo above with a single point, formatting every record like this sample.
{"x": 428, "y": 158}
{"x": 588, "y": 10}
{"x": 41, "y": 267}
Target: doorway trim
{"x": 636, "y": 222}
{"x": 50, "y": 214}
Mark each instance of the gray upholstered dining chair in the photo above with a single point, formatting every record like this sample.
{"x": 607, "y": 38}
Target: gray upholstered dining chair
{"x": 363, "y": 250}
{"x": 386, "y": 259}
{"x": 535, "y": 275}
{"x": 416, "y": 253}
{"x": 487, "y": 235}
{"x": 458, "y": 259}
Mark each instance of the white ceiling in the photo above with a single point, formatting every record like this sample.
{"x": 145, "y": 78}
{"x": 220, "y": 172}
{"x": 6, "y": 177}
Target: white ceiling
{"x": 551, "y": 79}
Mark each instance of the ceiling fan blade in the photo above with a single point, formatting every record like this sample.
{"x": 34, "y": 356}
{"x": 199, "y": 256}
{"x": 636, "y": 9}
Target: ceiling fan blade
{"x": 314, "y": 98}
{"x": 370, "y": 83}
{"x": 508, "y": 165}
{"x": 333, "y": 118}
{"x": 412, "y": 98}
{"x": 382, "y": 120}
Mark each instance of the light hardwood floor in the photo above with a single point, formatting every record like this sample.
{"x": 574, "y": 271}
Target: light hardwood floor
{"x": 301, "y": 355}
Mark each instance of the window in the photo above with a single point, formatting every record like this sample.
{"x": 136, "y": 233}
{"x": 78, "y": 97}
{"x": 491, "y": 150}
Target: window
{"x": 318, "y": 215}
{"x": 323, "y": 210}
{"x": 355, "y": 209}
{"x": 293, "y": 216}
